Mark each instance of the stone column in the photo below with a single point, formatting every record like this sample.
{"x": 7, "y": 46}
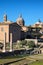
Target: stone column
{"x": 36, "y": 41}
{"x": 11, "y": 42}
{"x": 4, "y": 47}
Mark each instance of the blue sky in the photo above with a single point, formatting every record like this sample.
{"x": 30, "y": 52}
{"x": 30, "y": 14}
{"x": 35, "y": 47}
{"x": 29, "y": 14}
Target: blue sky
{"x": 31, "y": 10}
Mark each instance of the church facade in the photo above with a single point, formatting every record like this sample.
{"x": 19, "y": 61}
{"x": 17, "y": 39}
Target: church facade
{"x": 16, "y": 28}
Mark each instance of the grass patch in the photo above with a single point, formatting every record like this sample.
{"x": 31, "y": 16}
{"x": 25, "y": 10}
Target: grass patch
{"x": 12, "y": 58}
{"x": 27, "y": 59}
{"x": 39, "y": 62}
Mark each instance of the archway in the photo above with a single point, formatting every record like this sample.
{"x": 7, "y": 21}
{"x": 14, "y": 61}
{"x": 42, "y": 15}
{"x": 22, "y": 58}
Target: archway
{"x": 1, "y": 46}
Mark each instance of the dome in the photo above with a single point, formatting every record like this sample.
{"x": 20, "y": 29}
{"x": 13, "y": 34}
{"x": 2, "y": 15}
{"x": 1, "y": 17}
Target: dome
{"x": 39, "y": 22}
{"x": 20, "y": 20}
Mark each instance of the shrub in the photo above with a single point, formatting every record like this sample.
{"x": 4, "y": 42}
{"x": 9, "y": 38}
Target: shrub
{"x": 31, "y": 44}
{"x": 23, "y": 42}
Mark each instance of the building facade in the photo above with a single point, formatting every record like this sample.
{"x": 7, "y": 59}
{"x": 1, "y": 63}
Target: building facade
{"x": 16, "y": 28}
{"x": 19, "y": 30}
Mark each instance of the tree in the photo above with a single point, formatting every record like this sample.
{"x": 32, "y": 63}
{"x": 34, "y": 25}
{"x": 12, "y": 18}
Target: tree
{"x": 23, "y": 42}
{"x": 31, "y": 44}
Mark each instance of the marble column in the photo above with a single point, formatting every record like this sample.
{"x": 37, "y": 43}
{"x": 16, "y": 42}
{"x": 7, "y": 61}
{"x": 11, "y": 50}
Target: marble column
{"x": 4, "y": 47}
{"x": 11, "y": 48}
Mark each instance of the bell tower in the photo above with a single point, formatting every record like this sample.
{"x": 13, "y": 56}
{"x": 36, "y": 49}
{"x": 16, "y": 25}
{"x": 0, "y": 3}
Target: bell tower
{"x": 5, "y": 18}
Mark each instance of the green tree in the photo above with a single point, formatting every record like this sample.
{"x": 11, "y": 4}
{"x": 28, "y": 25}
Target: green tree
{"x": 31, "y": 44}
{"x": 23, "y": 42}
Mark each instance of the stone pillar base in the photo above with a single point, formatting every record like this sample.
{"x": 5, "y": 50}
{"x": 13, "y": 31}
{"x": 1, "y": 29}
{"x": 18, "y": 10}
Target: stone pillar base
{"x": 4, "y": 51}
{"x": 10, "y": 50}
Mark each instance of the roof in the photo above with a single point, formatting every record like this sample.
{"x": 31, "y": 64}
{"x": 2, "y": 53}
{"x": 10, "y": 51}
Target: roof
{"x": 6, "y": 23}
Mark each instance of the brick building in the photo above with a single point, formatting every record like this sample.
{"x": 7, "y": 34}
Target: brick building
{"x": 16, "y": 28}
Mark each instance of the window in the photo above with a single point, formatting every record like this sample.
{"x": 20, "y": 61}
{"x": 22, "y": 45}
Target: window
{"x": 2, "y": 29}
